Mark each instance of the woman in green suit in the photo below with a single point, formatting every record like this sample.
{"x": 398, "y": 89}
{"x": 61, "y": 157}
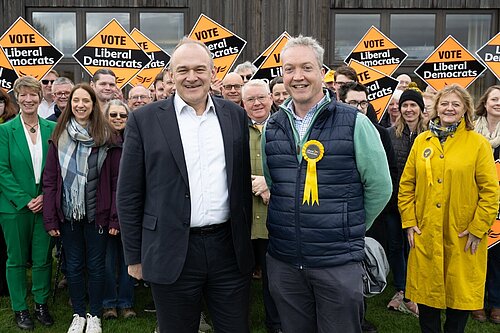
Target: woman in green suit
{"x": 23, "y": 147}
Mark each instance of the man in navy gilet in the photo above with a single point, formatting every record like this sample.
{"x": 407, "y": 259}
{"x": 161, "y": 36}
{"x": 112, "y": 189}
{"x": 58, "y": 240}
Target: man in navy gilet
{"x": 328, "y": 175}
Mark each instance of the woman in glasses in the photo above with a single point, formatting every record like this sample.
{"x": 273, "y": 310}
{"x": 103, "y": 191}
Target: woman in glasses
{"x": 23, "y": 148}
{"x": 408, "y": 126}
{"x": 118, "y": 290}
{"x": 79, "y": 183}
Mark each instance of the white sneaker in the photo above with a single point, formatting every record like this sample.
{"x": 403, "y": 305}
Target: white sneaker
{"x": 77, "y": 325}
{"x": 93, "y": 324}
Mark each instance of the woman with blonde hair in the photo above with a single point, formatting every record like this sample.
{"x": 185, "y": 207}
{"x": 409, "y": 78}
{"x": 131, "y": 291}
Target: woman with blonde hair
{"x": 448, "y": 199}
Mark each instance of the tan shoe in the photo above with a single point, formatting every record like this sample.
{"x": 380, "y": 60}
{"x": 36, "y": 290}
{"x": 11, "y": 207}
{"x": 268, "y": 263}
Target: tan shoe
{"x": 110, "y": 313}
{"x": 409, "y": 308}
{"x": 128, "y": 313}
{"x": 396, "y": 301}
{"x": 479, "y": 315}
{"x": 495, "y": 316}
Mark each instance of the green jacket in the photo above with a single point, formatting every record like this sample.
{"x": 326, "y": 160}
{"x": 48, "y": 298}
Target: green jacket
{"x": 17, "y": 180}
{"x": 259, "y": 209}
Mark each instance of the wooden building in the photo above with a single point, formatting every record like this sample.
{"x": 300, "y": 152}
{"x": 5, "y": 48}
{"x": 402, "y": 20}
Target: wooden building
{"x": 417, "y": 26}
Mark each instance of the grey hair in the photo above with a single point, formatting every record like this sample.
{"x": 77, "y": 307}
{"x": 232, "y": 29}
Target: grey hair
{"x": 306, "y": 41}
{"x": 244, "y": 66}
{"x": 62, "y": 80}
{"x": 115, "y": 102}
{"x": 255, "y": 83}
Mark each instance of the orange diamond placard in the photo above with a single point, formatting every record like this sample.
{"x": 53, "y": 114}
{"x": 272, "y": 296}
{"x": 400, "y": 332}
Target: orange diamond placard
{"x": 29, "y": 52}
{"x": 113, "y": 48}
{"x": 224, "y": 45}
{"x": 380, "y": 86}
{"x": 7, "y": 73}
{"x": 450, "y": 63}
{"x": 490, "y": 55}
{"x": 271, "y": 67}
{"x": 377, "y": 51}
{"x": 159, "y": 60}
{"x": 260, "y": 59}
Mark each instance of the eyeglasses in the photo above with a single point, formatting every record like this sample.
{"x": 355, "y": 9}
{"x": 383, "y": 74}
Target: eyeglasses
{"x": 62, "y": 93}
{"x": 137, "y": 97}
{"x": 231, "y": 86}
{"x": 252, "y": 100}
{"x": 121, "y": 115}
{"x": 363, "y": 104}
{"x": 47, "y": 81}
{"x": 247, "y": 77}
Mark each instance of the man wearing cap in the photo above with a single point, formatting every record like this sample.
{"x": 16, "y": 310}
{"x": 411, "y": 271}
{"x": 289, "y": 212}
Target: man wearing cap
{"x": 329, "y": 79}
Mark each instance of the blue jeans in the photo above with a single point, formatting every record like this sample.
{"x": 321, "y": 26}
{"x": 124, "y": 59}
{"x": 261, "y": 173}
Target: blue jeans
{"x": 84, "y": 251}
{"x": 119, "y": 286}
{"x": 396, "y": 253}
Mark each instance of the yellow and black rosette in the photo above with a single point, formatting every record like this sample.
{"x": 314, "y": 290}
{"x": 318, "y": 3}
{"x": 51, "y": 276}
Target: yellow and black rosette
{"x": 427, "y": 154}
{"x": 312, "y": 151}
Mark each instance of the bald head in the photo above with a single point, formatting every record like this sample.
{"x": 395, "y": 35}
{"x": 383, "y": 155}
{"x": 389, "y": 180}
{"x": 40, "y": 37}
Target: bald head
{"x": 404, "y": 81}
{"x": 138, "y": 96}
{"x": 231, "y": 87}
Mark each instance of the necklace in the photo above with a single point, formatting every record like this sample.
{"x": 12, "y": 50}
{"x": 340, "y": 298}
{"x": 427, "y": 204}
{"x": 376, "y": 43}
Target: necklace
{"x": 32, "y": 128}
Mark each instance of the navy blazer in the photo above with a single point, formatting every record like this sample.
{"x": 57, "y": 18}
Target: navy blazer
{"x": 153, "y": 198}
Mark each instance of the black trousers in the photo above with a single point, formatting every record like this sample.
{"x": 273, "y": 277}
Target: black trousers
{"x": 272, "y": 315}
{"x": 430, "y": 320}
{"x": 210, "y": 272}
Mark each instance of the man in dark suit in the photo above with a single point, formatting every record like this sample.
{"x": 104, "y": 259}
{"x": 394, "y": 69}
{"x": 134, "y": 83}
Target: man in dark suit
{"x": 184, "y": 200}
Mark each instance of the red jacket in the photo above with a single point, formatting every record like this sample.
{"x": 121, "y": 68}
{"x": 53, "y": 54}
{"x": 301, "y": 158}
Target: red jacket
{"x": 52, "y": 183}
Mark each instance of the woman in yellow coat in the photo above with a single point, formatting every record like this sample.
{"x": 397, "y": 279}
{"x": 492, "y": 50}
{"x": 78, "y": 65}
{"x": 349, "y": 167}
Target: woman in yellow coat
{"x": 448, "y": 199}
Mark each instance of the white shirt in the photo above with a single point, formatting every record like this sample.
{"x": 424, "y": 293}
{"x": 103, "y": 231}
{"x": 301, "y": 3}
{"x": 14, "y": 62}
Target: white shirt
{"x": 46, "y": 109}
{"x": 203, "y": 147}
{"x": 36, "y": 152}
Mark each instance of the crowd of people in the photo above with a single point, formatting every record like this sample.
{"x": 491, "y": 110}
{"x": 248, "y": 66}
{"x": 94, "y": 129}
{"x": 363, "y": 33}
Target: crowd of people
{"x": 195, "y": 185}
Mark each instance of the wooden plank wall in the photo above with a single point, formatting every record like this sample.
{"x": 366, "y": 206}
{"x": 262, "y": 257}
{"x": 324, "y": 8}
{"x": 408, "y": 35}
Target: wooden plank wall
{"x": 257, "y": 21}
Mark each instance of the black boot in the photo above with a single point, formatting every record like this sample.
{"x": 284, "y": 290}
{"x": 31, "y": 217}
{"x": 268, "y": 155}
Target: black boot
{"x": 23, "y": 320}
{"x": 42, "y": 314}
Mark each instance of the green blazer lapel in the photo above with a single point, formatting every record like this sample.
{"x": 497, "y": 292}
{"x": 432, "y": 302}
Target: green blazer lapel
{"x": 20, "y": 139}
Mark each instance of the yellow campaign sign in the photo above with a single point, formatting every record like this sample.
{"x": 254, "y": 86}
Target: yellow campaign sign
{"x": 28, "y": 51}
{"x": 7, "y": 73}
{"x": 224, "y": 45}
{"x": 271, "y": 66}
{"x": 490, "y": 54}
{"x": 379, "y": 85}
{"x": 377, "y": 51}
{"x": 159, "y": 60}
{"x": 494, "y": 232}
{"x": 260, "y": 59}
{"x": 450, "y": 63}
{"x": 113, "y": 48}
